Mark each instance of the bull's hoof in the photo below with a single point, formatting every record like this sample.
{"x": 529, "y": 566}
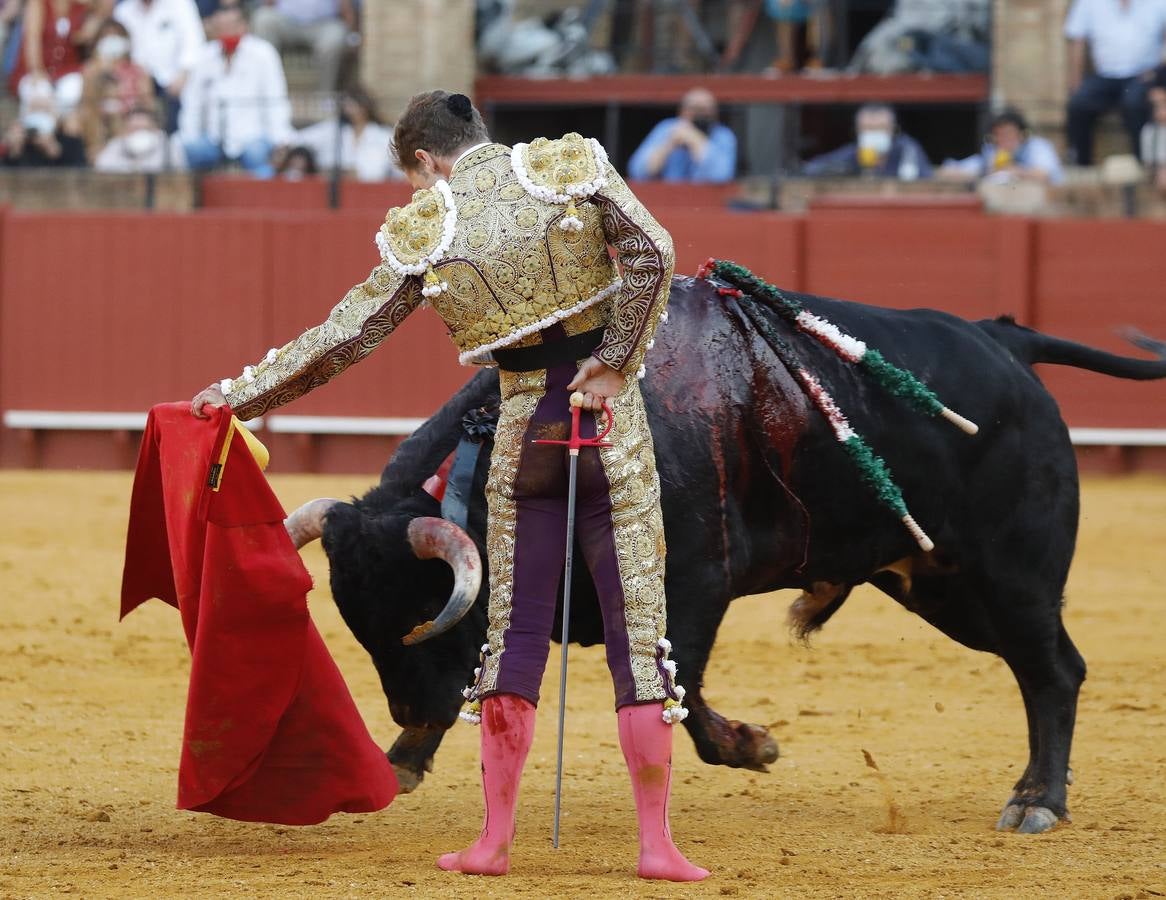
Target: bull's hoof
{"x": 408, "y": 780}
{"x": 754, "y": 748}
{"x": 1027, "y": 819}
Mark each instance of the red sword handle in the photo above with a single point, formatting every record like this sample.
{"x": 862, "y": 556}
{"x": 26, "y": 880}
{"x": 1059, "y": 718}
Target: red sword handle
{"x": 576, "y": 442}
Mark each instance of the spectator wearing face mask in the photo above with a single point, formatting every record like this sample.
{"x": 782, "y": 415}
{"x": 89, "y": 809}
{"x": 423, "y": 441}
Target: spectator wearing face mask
{"x": 39, "y": 138}
{"x": 692, "y": 147}
{"x": 167, "y": 37}
{"x": 113, "y": 86}
{"x": 54, "y": 37}
{"x": 880, "y": 149}
{"x": 362, "y": 142}
{"x": 235, "y": 105}
{"x": 1010, "y": 153}
{"x": 142, "y": 147}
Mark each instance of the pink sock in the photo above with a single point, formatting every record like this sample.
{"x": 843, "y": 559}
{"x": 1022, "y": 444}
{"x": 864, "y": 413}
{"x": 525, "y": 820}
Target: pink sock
{"x": 507, "y": 730}
{"x": 647, "y": 746}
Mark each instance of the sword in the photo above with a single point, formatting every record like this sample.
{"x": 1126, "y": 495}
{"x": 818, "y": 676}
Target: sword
{"x": 573, "y": 445}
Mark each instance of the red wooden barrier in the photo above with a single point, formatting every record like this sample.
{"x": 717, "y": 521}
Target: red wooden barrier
{"x": 668, "y": 89}
{"x": 941, "y": 261}
{"x": 1091, "y": 278}
{"x": 115, "y": 312}
{"x": 314, "y": 261}
{"x": 768, "y": 242}
{"x": 242, "y": 192}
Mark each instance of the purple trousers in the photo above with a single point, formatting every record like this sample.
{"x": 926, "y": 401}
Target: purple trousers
{"x": 617, "y": 525}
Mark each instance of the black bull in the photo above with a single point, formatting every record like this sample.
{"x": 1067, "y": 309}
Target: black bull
{"x": 759, "y": 496}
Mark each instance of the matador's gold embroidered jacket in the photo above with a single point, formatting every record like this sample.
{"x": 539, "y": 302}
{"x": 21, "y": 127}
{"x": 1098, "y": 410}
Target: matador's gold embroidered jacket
{"x": 514, "y": 242}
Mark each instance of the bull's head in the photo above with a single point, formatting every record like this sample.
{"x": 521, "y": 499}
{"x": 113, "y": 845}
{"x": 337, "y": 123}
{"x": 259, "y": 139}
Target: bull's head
{"x": 406, "y": 584}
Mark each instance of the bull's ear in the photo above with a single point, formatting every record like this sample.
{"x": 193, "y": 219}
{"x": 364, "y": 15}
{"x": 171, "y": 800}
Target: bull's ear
{"x": 306, "y": 524}
{"x": 434, "y": 538}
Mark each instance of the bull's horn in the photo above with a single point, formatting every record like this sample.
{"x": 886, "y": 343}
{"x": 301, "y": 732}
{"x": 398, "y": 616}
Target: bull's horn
{"x": 307, "y": 523}
{"x": 433, "y": 538}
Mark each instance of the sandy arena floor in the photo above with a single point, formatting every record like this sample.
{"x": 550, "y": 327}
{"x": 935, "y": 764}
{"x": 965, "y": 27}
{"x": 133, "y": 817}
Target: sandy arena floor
{"x": 91, "y": 717}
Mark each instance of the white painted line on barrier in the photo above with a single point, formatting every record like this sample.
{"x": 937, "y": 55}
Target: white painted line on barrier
{"x": 1118, "y": 437}
{"x": 280, "y": 424}
{"x": 57, "y": 420}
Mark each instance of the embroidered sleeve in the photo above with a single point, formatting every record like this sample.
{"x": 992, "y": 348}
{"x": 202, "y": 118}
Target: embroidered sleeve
{"x": 365, "y": 317}
{"x": 645, "y": 255}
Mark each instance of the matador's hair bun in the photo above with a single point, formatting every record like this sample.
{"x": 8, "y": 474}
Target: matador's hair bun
{"x": 460, "y": 106}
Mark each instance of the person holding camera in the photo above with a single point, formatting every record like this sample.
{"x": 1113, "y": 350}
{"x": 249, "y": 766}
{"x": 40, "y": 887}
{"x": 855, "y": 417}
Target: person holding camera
{"x": 693, "y": 146}
{"x": 41, "y": 139}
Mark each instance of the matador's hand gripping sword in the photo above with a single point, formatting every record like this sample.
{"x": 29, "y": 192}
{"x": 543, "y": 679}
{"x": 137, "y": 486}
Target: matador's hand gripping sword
{"x": 574, "y": 444}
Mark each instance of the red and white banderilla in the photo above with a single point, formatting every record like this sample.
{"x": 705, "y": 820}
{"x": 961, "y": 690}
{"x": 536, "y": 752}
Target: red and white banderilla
{"x": 574, "y": 444}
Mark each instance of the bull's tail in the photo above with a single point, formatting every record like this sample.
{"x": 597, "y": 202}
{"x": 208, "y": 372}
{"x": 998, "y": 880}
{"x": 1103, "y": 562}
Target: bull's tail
{"x": 1032, "y": 347}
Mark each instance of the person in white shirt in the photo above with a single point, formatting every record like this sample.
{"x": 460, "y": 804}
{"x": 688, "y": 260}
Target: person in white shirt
{"x": 359, "y": 136}
{"x": 142, "y": 147}
{"x": 166, "y": 37}
{"x": 235, "y": 106}
{"x": 1125, "y": 40}
{"x": 322, "y": 25}
{"x": 1009, "y": 154}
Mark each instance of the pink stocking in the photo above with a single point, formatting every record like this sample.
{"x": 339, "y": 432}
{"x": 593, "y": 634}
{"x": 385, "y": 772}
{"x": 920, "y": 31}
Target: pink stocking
{"x": 647, "y": 746}
{"x": 507, "y": 730}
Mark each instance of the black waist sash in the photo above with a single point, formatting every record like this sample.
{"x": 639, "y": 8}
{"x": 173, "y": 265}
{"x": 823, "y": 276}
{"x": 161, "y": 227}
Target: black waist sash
{"x": 544, "y": 356}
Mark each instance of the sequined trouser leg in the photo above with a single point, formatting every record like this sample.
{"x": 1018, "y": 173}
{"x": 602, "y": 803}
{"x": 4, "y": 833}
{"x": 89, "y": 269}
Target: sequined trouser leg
{"x": 618, "y": 527}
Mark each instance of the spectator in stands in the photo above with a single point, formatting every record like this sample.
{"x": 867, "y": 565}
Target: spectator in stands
{"x": 363, "y": 140}
{"x": 692, "y": 147}
{"x": 166, "y": 38}
{"x": 142, "y": 147}
{"x": 54, "y": 37}
{"x": 880, "y": 149}
{"x": 40, "y": 137}
{"x": 113, "y": 86}
{"x": 322, "y": 25}
{"x": 1154, "y": 133}
{"x": 1009, "y": 153}
{"x": 296, "y": 164}
{"x": 10, "y": 11}
{"x": 235, "y": 106}
{"x": 1125, "y": 39}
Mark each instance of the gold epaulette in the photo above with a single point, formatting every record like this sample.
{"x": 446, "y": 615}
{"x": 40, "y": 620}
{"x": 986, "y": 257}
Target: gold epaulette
{"x": 561, "y": 171}
{"x": 417, "y": 236}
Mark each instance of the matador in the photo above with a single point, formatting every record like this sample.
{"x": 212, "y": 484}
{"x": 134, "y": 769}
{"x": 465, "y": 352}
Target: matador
{"x": 510, "y": 246}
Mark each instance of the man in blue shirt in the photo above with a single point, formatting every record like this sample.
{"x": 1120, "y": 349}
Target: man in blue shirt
{"x": 1010, "y": 153}
{"x": 879, "y": 149}
{"x": 692, "y": 147}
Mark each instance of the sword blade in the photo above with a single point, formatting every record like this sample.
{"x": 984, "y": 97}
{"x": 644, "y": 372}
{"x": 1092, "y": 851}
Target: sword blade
{"x": 573, "y": 466}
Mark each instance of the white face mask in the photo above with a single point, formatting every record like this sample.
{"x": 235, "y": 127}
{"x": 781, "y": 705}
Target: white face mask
{"x": 878, "y": 141}
{"x": 139, "y": 143}
{"x": 112, "y": 46}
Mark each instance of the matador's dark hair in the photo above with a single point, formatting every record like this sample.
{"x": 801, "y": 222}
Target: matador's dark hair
{"x": 439, "y": 122}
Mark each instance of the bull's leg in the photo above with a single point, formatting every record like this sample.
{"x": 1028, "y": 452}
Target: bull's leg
{"x": 1050, "y": 678}
{"x": 1027, "y": 633}
{"x": 412, "y": 755}
{"x": 694, "y": 615}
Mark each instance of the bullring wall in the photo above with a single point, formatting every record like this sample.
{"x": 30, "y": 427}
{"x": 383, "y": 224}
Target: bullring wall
{"x": 118, "y": 311}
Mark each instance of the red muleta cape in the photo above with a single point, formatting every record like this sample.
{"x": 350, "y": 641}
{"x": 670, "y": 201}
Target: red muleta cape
{"x": 272, "y": 734}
